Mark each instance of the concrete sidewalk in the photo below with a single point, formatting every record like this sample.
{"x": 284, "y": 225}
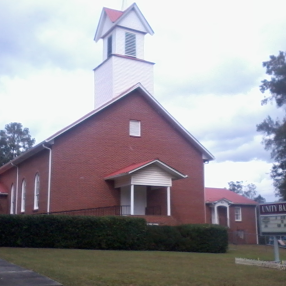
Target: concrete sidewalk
{"x": 13, "y": 275}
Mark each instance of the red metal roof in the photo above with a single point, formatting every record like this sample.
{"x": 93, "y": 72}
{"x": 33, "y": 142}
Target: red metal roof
{"x": 128, "y": 169}
{"x": 134, "y": 167}
{"x": 216, "y": 194}
{"x": 113, "y": 15}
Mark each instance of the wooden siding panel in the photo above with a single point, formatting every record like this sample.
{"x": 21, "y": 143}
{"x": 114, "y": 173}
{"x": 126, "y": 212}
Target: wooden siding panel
{"x": 132, "y": 21}
{"x": 127, "y": 72}
{"x": 151, "y": 176}
{"x": 103, "y": 88}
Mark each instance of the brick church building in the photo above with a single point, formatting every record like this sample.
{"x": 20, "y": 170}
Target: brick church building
{"x": 128, "y": 156}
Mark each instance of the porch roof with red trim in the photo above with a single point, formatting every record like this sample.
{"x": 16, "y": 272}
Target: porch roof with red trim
{"x": 216, "y": 194}
{"x": 137, "y": 166}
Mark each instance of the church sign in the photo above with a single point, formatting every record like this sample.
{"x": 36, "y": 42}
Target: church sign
{"x": 272, "y": 218}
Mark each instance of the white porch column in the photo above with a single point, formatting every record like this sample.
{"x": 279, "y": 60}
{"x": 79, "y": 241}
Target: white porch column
{"x": 227, "y": 212}
{"x": 168, "y": 201}
{"x": 132, "y": 199}
{"x": 215, "y": 214}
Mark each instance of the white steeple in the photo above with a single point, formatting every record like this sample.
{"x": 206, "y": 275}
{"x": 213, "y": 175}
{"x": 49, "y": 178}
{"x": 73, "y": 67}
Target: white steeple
{"x": 123, "y": 63}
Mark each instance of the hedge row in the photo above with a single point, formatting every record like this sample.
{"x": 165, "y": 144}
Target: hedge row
{"x": 189, "y": 237}
{"x": 121, "y": 233}
{"x": 88, "y": 232}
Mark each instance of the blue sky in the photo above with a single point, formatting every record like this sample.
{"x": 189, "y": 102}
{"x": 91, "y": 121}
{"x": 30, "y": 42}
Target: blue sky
{"x": 208, "y": 69}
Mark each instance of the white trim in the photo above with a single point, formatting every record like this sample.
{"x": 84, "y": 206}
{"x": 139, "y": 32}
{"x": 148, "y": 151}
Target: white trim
{"x": 12, "y": 198}
{"x": 36, "y": 191}
{"x": 23, "y": 196}
{"x": 168, "y": 202}
{"x": 205, "y": 153}
{"x": 49, "y": 178}
{"x": 149, "y": 96}
{"x": 103, "y": 16}
{"x": 135, "y": 128}
{"x": 237, "y": 216}
{"x": 132, "y": 199}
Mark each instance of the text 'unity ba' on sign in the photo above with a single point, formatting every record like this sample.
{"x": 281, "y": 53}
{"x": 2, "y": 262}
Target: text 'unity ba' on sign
{"x": 272, "y": 209}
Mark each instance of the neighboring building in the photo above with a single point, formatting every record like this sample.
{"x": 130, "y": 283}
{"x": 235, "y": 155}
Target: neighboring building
{"x": 128, "y": 156}
{"x": 234, "y": 211}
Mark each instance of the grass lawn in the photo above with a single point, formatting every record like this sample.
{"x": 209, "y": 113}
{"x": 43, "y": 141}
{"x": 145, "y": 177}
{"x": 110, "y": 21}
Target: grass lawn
{"x": 143, "y": 268}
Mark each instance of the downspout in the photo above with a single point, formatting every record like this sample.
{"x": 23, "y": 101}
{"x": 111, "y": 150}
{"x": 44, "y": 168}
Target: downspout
{"x": 17, "y": 185}
{"x": 49, "y": 178}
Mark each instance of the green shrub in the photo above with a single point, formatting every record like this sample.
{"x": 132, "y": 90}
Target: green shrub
{"x": 164, "y": 238}
{"x": 203, "y": 238}
{"x": 109, "y": 232}
{"x": 86, "y": 232}
{"x": 191, "y": 238}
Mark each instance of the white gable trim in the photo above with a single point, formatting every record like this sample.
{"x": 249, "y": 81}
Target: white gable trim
{"x": 206, "y": 155}
{"x": 103, "y": 17}
{"x": 174, "y": 174}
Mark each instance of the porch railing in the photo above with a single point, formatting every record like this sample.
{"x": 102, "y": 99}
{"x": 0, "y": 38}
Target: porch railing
{"x": 106, "y": 211}
{"x": 155, "y": 210}
{"x": 101, "y": 211}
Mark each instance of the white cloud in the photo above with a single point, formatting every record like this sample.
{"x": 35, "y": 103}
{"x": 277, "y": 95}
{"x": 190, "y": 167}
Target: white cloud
{"x": 255, "y": 171}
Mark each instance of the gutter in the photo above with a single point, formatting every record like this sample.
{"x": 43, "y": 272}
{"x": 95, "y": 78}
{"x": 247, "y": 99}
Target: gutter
{"x": 49, "y": 178}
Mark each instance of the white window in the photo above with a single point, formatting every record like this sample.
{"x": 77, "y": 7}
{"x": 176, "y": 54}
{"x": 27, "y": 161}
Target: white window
{"x": 23, "y": 196}
{"x": 130, "y": 44}
{"x": 36, "y": 192}
{"x": 237, "y": 214}
{"x": 12, "y": 203}
{"x": 135, "y": 128}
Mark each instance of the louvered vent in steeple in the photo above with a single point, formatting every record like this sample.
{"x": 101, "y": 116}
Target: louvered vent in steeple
{"x": 130, "y": 44}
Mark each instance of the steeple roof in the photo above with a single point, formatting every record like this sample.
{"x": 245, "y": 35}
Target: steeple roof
{"x": 112, "y": 14}
{"x": 111, "y": 18}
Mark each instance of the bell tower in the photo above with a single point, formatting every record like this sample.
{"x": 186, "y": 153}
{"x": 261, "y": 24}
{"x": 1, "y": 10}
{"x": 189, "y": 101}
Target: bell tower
{"x": 123, "y": 63}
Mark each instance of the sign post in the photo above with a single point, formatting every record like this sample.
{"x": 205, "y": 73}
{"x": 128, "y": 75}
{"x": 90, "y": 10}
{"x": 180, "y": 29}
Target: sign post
{"x": 272, "y": 222}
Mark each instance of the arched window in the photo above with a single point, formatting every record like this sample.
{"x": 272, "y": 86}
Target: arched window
{"x": 23, "y": 196}
{"x": 12, "y": 197}
{"x": 36, "y": 191}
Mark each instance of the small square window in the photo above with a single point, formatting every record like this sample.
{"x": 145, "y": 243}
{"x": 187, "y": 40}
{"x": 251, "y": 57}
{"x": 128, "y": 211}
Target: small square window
{"x": 238, "y": 214}
{"x": 135, "y": 128}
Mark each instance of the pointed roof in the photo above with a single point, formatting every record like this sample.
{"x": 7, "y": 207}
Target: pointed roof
{"x": 115, "y": 18}
{"x": 112, "y": 14}
{"x": 206, "y": 155}
{"x": 138, "y": 166}
{"x": 216, "y": 194}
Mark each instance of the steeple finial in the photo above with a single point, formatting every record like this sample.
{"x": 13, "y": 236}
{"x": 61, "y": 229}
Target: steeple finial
{"x": 124, "y": 5}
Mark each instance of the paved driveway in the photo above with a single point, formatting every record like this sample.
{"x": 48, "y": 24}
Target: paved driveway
{"x": 13, "y": 275}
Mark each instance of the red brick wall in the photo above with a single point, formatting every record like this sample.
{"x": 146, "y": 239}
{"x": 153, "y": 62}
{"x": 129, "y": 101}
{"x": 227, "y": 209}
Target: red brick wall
{"x": 248, "y": 223}
{"x": 27, "y": 171}
{"x": 4, "y": 209}
{"x": 100, "y": 145}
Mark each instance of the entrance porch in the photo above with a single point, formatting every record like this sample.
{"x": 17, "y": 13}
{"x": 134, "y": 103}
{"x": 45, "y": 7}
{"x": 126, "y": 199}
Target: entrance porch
{"x": 146, "y": 187}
